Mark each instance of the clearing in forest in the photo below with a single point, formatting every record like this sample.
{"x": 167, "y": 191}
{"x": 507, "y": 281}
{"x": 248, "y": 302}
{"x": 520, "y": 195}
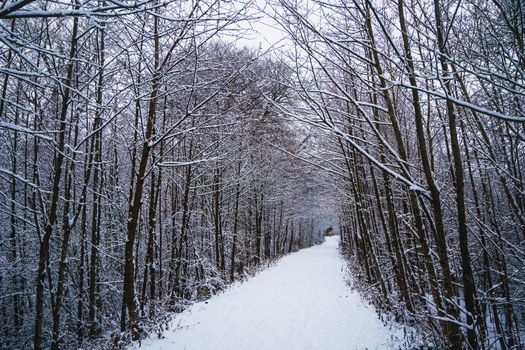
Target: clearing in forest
{"x": 303, "y": 302}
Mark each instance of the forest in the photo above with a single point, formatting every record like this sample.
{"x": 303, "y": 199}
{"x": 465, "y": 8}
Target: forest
{"x": 148, "y": 160}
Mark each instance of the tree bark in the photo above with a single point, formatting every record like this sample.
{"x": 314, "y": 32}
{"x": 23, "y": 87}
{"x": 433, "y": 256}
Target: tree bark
{"x": 43, "y": 253}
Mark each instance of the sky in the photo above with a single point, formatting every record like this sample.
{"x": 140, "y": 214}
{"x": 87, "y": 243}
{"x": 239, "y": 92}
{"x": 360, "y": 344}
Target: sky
{"x": 262, "y": 32}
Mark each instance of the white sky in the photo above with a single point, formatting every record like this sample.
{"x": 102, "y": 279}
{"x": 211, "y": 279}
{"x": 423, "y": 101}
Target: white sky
{"x": 261, "y": 33}
{"x": 266, "y": 34}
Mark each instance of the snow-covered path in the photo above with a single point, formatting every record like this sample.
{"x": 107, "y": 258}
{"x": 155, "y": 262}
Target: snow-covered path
{"x": 300, "y": 303}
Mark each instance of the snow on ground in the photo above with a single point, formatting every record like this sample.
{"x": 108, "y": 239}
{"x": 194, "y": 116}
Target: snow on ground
{"x": 303, "y": 302}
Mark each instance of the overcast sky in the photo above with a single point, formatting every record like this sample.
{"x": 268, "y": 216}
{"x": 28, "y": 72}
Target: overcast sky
{"x": 263, "y": 32}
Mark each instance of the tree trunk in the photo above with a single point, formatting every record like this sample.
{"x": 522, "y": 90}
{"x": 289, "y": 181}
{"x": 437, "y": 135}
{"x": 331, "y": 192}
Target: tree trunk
{"x": 43, "y": 253}
{"x": 235, "y": 223}
{"x": 452, "y": 332}
{"x": 128, "y": 299}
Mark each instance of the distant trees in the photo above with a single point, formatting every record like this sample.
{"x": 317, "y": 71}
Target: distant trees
{"x": 424, "y": 105}
{"x": 141, "y": 167}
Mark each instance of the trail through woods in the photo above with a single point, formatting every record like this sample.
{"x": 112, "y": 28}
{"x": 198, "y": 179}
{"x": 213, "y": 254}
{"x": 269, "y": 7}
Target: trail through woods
{"x": 303, "y": 302}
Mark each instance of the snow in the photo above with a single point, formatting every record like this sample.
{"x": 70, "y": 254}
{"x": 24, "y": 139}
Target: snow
{"x": 19, "y": 128}
{"x": 302, "y": 302}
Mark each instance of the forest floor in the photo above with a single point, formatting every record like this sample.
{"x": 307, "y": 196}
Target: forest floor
{"x": 302, "y": 302}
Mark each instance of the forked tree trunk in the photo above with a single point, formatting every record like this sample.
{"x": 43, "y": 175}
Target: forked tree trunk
{"x": 452, "y": 331}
